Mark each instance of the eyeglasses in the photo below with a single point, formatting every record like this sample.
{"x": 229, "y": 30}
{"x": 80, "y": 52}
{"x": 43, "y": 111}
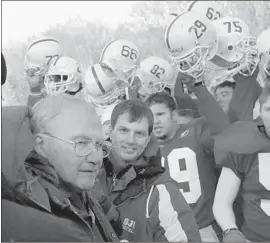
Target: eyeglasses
{"x": 85, "y": 147}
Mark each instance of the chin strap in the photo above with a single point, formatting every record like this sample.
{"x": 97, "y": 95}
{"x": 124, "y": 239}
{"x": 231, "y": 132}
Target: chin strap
{"x": 75, "y": 92}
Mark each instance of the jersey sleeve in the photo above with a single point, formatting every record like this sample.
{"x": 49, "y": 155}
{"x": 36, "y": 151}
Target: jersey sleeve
{"x": 237, "y": 163}
{"x": 178, "y": 86}
{"x": 216, "y": 118}
{"x": 246, "y": 93}
{"x": 171, "y": 218}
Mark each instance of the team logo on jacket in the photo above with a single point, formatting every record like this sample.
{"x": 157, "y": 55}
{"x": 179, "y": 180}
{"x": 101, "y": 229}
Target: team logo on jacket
{"x": 185, "y": 133}
{"x": 129, "y": 225}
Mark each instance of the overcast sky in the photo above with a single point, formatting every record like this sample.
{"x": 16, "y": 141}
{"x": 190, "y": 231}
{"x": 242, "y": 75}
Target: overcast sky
{"x": 21, "y": 19}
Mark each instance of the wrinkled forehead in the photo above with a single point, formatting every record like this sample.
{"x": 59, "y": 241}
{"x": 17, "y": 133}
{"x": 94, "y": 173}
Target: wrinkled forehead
{"x": 77, "y": 120}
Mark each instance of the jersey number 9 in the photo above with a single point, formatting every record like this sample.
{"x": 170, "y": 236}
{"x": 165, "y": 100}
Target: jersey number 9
{"x": 183, "y": 168}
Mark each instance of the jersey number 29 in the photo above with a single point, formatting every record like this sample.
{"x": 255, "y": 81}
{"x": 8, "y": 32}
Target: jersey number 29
{"x": 183, "y": 168}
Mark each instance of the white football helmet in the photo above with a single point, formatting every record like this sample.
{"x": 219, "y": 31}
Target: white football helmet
{"x": 120, "y": 59}
{"x": 155, "y": 74}
{"x": 100, "y": 89}
{"x": 191, "y": 40}
{"x": 210, "y": 9}
{"x": 263, "y": 44}
{"x": 236, "y": 46}
{"x": 169, "y": 18}
{"x": 65, "y": 75}
{"x": 40, "y": 54}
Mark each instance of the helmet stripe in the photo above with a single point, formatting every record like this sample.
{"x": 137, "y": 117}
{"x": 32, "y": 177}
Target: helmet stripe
{"x": 42, "y": 40}
{"x": 168, "y": 30}
{"x": 191, "y": 5}
{"x": 97, "y": 80}
{"x": 104, "y": 49}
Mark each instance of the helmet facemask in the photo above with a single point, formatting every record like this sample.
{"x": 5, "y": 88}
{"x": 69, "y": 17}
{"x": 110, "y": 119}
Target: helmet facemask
{"x": 56, "y": 82}
{"x": 251, "y": 55}
{"x": 192, "y": 64}
{"x": 265, "y": 62}
{"x": 104, "y": 100}
{"x": 32, "y": 69}
{"x": 119, "y": 70}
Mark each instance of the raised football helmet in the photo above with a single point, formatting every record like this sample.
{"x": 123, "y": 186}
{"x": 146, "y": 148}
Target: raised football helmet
{"x": 191, "y": 40}
{"x": 263, "y": 44}
{"x": 169, "y": 18}
{"x": 100, "y": 89}
{"x": 210, "y": 9}
{"x": 40, "y": 54}
{"x": 236, "y": 46}
{"x": 120, "y": 59}
{"x": 65, "y": 75}
{"x": 155, "y": 74}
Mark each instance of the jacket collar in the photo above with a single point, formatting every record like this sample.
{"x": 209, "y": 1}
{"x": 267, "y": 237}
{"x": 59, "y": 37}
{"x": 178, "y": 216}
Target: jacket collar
{"x": 47, "y": 175}
{"x": 133, "y": 180}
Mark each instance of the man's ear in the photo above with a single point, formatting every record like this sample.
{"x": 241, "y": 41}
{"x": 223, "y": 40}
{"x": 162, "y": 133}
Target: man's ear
{"x": 175, "y": 115}
{"x": 110, "y": 131}
{"x": 40, "y": 144}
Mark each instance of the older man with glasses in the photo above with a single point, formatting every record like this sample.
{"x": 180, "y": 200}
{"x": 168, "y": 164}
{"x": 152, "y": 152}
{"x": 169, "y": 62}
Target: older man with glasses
{"x": 62, "y": 168}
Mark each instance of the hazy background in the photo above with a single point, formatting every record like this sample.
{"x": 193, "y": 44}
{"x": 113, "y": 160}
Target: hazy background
{"x": 85, "y": 27}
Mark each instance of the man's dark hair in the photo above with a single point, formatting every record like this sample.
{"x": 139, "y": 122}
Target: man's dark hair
{"x": 3, "y": 69}
{"x": 168, "y": 90}
{"x": 224, "y": 84}
{"x": 162, "y": 98}
{"x": 136, "y": 111}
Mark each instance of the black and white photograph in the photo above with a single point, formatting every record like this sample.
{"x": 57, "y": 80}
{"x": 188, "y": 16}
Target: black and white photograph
{"x": 135, "y": 121}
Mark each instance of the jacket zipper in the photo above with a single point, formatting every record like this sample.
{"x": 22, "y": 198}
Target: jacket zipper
{"x": 131, "y": 198}
{"x": 85, "y": 222}
{"x": 114, "y": 181}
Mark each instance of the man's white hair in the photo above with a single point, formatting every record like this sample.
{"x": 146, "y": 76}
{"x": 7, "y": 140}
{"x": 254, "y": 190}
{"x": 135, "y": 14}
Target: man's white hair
{"x": 45, "y": 110}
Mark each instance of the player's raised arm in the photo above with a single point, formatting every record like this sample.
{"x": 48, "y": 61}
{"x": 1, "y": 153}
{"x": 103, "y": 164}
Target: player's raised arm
{"x": 246, "y": 92}
{"x": 226, "y": 192}
{"x": 40, "y": 54}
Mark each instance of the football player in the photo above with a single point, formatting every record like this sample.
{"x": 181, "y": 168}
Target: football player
{"x": 187, "y": 153}
{"x": 100, "y": 89}
{"x": 64, "y": 76}
{"x": 120, "y": 59}
{"x": 236, "y": 47}
{"x": 40, "y": 54}
{"x": 246, "y": 170}
{"x": 209, "y": 9}
{"x": 236, "y": 68}
{"x": 155, "y": 75}
{"x": 191, "y": 40}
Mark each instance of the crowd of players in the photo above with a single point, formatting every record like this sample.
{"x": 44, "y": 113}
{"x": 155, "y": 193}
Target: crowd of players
{"x": 192, "y": 119}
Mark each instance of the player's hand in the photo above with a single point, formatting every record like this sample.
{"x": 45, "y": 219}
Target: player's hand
{"x": 35, "y": 82}
{"x": 187, "y": 80}
{"x": 234, "y": 236}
